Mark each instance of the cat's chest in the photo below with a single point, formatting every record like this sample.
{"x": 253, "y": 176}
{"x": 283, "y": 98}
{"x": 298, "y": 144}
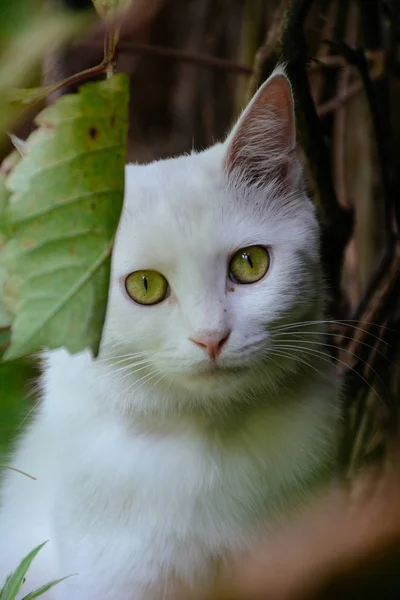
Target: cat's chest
{"x": 176, "y": 485}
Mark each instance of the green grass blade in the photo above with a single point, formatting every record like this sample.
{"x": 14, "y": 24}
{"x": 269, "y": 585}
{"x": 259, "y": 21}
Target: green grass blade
{"x": 15, "y": 579}
{"x": 40, "y": 591}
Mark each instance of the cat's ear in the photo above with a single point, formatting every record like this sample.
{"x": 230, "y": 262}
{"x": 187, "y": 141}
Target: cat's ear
{"x": 261, "y": 146}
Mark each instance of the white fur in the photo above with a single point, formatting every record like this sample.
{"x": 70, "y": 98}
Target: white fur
{"x": 151, "y": 470}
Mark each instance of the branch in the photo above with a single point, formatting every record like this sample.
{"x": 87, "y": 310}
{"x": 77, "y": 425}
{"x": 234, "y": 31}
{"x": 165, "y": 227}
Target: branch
{"x": 379, "y": 304}
{"x": 357, "y": 57}
{"x": 365, "y": 347}
{"x": 201, "y": 60}
{"x": 285, "y": 41}
{"x": 338, "y": 101}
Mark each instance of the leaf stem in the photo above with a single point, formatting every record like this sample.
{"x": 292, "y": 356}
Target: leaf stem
{"x": 86, "y": 74}
{"x": 29, "y": 96}
{"x": 110, "y": 51}
{"x": 17, "y": 471}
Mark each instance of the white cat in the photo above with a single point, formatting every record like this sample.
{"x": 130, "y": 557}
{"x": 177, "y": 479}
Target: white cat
{"x": 210, "y": 409}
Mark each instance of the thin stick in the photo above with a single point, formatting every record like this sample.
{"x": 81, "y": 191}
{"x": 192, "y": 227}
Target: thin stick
{"x": 202, "y": 60}
{"x": 17, "y": 471}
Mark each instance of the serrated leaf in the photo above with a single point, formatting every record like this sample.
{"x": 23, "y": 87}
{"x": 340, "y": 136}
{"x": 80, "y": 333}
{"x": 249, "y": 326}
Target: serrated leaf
{"x": 4, "y": 194}
{"x": 15, "y": 579}
{"x": 67, "y": 195}
{"x": 6, "y": 167}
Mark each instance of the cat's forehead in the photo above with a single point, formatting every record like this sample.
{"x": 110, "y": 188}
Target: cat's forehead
{"x": 178, "y": 209}
{"x": 183, "y": 199}
{"x": 175, "y": 210}
{"x": 183, "y": 185}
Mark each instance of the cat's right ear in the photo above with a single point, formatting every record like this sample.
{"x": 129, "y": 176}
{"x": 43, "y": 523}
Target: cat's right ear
{"x": 261, "y": 146}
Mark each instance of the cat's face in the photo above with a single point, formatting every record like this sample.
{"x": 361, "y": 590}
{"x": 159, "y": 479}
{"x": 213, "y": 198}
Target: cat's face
{"x": 220, "y": 262}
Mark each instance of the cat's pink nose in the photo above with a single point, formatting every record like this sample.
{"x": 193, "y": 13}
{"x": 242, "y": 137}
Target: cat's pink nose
{"x": 211, "y": 342}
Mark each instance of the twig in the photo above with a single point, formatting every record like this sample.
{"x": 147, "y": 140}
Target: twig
{"x": 327, "y": 62}
{"x": 77, "y": 77}
{"x": 319, "y": 79}
{"x": 183, "y": 56}
{"x": 381, "y": 303}
{"x": 204, "y": 60}
{"x": 338, "y": 101}
{"x": 32, "y": 95}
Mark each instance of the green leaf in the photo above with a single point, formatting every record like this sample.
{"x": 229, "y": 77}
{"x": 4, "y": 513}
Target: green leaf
{"x": 67, "y": 194}
{"x": 40, "y": 591}
{"x": 6, "y": 167}
{"x": 15, "y": 579}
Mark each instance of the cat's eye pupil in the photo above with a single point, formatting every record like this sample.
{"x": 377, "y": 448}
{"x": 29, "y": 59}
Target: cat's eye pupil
{"x": 248, "y": 258}
{"x": 145, "y": 282}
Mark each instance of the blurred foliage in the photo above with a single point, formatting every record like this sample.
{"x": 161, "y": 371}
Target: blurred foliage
{"x": 27, "y": 32}
{"x": 16, "y": 14}
{"x": 16, "y": 383}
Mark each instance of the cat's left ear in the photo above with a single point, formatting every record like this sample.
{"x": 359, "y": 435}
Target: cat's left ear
{"x": 261, "y": 146}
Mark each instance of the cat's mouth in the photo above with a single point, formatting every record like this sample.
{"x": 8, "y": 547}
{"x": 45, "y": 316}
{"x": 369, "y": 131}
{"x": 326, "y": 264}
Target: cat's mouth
{"x": 215, "y": 371}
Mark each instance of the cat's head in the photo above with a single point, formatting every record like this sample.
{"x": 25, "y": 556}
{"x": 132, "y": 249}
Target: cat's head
{"x": 214, "y": 252}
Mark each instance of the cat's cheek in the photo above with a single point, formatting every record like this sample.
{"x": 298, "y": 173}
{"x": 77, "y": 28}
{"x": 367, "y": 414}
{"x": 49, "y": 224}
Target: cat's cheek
{"x": 171, "y": 299}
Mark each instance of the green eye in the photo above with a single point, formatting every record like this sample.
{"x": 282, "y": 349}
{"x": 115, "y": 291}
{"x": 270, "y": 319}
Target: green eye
{"x": 249, "y": 265}
{"x": 146, "y": 287}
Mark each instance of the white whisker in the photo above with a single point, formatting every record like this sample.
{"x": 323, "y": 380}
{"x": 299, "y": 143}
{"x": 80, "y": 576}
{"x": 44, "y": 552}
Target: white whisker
{"x": 346, "y": 323}
{"x": 122, "y": 358}
{"x": 323, "y": 344}
{"x": 145, "y": 379}
{"x": 327, "y": 333}
{"x": 126, "y": 390}
{"x": 131, "y": 366}
{"x": 28, "y": 414}
{"x": 132, "y": 372}
{"x": 328, "y": 358}
{"x": 295, "y": 358}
